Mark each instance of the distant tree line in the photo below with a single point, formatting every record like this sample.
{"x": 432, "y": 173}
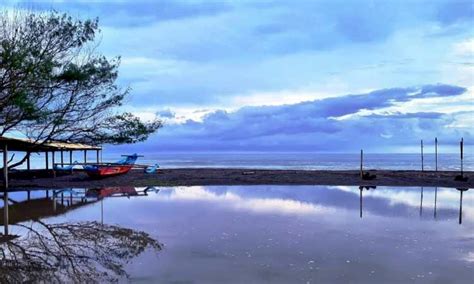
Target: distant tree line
{"x": 54, "y": 85}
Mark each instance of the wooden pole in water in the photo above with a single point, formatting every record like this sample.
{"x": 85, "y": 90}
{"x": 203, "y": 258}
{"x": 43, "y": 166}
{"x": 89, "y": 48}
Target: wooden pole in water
{"x": 436, "y": 154}
{"x": 361, "y": 163}
{"x": 461, "y": 144}
{"x": 422, "y": 159}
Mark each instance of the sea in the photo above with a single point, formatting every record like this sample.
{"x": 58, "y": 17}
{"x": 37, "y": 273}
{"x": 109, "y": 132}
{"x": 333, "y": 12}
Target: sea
{"x": 278, "y": 160}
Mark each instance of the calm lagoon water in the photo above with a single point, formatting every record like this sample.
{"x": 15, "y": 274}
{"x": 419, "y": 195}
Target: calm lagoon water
{"x": 245, "y": 234}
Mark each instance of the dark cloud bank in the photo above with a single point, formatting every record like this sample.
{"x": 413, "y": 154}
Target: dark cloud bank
{"x": 317, "y": 125}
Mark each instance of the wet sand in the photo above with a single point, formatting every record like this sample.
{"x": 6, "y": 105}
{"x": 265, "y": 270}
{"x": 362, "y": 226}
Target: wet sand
{"x": 217, "y": 176}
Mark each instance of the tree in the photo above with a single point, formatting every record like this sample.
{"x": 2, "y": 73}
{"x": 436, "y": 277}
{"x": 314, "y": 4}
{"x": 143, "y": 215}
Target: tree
{"x": 80, "y": 252}
{"x": 54, "y": 85}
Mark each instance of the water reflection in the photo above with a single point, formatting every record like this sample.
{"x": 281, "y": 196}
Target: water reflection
{"x": 80, "y": 252}
{"x": 421, "y": 202}
{"x": 361, "y": 189}
{"x": 277, "y": 234}
{"x": 461, "y": 191}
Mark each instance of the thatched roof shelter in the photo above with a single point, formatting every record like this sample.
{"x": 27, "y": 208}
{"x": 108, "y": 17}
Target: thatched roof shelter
{"x": 26, "y": 145}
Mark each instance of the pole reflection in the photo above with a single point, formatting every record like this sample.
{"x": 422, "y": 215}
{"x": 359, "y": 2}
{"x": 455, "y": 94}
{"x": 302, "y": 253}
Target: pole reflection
{"x": 421, "y": 202}
{"x": 435, "y": 201}
{"x": 461, "y": 191}
{"x": 361, "y": 189}
{"x": 420, "y": 208}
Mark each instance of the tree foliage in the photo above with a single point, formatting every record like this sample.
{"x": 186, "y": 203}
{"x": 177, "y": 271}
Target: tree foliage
{"x": 54, "y": 85}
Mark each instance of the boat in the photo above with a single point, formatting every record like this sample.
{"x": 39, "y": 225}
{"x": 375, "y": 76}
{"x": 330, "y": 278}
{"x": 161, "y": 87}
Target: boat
{"x": 112, "y": 191}
{"x": 67, "y": 168}
{"x": 152, "y": 169}
{"x": 112, "y": 169}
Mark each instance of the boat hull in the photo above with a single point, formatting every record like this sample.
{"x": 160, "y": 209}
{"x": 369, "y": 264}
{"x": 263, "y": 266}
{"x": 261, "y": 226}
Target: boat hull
{"x": 97, "y": 171}
{"x": 112, "y": 191}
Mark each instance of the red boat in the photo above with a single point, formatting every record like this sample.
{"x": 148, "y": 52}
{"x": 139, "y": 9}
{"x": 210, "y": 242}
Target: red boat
{"x": 112, "y": 169}
{"x": 112, "y": 191}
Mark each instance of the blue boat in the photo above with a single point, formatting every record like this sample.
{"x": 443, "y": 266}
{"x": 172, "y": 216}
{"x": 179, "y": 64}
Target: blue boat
{"x": 67, "y": 168}
{"x": 152, "y": 169}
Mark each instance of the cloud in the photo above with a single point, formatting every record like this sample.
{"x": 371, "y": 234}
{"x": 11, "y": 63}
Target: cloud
{"x": 208, "y": 54}
{"x": 167, "y": 113}
{"x": 130, "y": 13}
{"x": 452, "y": 12}
{"x": 329, "y": 125}
{"x": 299, "y": 59}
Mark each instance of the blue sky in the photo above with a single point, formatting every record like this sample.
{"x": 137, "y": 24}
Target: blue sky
{"x": 291, "y": 75}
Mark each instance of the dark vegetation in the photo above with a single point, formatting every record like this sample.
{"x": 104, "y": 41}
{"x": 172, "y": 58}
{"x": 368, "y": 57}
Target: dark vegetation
{"x": 55, "y": 85}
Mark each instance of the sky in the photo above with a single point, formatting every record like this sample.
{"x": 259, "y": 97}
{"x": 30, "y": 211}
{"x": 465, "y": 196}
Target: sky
{"x": 320, "y": 76}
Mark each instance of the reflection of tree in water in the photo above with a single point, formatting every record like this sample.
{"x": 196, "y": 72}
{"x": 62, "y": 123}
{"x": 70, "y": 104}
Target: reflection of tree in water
{"x": 78, "y": 252}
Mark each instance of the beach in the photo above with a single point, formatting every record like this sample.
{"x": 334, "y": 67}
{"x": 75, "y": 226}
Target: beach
{"x": 226, "y": 176}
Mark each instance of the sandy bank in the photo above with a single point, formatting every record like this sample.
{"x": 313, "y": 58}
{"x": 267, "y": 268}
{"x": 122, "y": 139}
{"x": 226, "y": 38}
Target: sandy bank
{"x": 216, "y": 176}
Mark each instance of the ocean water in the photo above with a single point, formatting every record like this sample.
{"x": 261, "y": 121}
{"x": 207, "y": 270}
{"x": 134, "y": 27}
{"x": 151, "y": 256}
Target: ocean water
{"x": 239, "y": 234}
{"x": 252, "y": 160}
{"x": 304, "y": 161}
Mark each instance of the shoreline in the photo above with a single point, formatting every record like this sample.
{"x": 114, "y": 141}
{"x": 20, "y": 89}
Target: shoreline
{"x": 240, "y": 176}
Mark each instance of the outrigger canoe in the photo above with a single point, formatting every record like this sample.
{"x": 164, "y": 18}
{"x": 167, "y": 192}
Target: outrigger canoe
{"x": 105, "y": 170}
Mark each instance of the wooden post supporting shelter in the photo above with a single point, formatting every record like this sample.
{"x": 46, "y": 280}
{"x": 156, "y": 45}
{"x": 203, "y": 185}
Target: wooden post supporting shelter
{"x": 422, "y": 158}
{"x": 5, "y": 184}
{"x": 30, "y": 146}
{"x": 5, "y": 167}
{"x": 53, "y": 158}
{"x": 46, "y": 155}
{"x": 28, "y": 164}
{"x": 97, "y": 156}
